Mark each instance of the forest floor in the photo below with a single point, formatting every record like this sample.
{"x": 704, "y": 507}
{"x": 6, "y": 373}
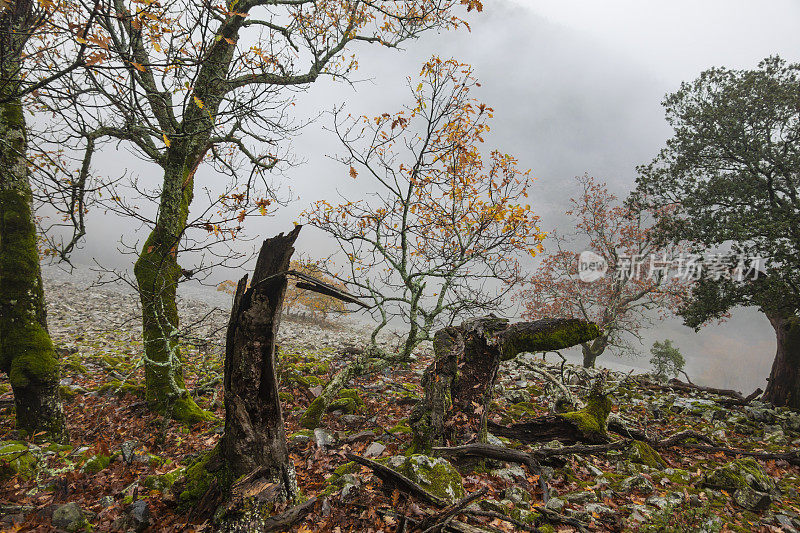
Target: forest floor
{"x": 116, "y": 472}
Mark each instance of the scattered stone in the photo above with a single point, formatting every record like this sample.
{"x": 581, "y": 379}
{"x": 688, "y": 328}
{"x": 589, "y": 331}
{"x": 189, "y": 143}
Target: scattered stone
{"x": 322, "y": 438}
{"x": 434, "y": 474}
{"x": 751, "y": 486}
{"x": 637, "y": 483}
{"x": 517, "y": 495}
{"x": 69, "y": 517}
{"x": 140, "y": 515}
{"x": 374, "y": 450}
{"x": 510, "y": 473}
{"x": 128, "y": 448}
{"x": 555, "y": 504}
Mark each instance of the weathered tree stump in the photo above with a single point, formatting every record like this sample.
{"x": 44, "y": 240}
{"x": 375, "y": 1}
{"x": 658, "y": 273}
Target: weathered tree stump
{"x": 250, "y": 470}
{"x": 458, "y": 384}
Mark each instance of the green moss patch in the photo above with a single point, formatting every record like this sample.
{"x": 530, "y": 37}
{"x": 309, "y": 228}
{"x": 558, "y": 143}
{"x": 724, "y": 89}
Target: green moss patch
{"x": 16, "y": 459}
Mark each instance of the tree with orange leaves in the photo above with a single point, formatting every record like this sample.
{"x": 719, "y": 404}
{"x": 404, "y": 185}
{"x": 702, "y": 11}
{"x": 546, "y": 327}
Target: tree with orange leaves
{"x": 186, "y": 84}
{"x": 634, "y": 281}
{"x": 441, "y": 233}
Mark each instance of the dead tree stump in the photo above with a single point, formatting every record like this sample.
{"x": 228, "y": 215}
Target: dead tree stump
{"x": 249, "y": 471}
{"x": 458, "y": 384}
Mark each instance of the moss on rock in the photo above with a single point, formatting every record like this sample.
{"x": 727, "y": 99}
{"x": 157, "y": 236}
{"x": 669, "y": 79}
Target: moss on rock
{"x": 96, "y": 463}
{"x": 16, "y": 459}
{"x": 591, "y": 421}
{"x": 641, "y": 452}
{"x": 436, "y": 475}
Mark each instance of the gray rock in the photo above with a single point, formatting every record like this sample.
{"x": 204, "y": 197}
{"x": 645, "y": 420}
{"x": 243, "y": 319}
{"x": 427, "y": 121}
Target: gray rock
{"x": 785, "y": 523}
{"x": 350, "y": 419}
{"x": 69, "y": 517}
{"x": 510, "y": 473}
{"x": 555, "y": 504}
{"x": 140, "y": 514}
{"x": 598, "y": 508}
{"x": 128, "y": 449}
{"x": 322, "y": 438}
{"x": 374, "y": 450}
{"x": 752, "y": 500}
{"x": 581, "y": 497}
{"x": 517, "y": 495}
{"x": 637, "y": 483}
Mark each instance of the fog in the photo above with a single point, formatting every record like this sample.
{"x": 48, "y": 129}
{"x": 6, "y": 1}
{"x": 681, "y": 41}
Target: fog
{"x": 576, "y": 87}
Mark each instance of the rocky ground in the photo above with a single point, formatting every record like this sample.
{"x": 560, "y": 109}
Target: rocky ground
{"x": 117, "y": 472}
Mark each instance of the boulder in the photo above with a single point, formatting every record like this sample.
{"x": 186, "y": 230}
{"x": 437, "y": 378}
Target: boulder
{"x": 750, "y": 485}
{"x": 434, "y": 474}
{"x": 69, "y": 517}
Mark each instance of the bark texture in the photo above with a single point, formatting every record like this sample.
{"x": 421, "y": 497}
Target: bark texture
{"x": 458, "y": 384}
{"x": 783, "y": 388}
{"x": 255, "y": 438}
{"x": 27, "y": 354}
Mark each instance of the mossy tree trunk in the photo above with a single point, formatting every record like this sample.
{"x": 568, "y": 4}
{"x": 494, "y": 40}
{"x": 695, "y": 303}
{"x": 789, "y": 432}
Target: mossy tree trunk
{"x": 157, "y": 270}
{"x": 783, "y": 388}
{"x": 26, "y": 350}
{"x": 157, "y": 273}
{"x": 458, "y": 385}
{"x": 594, "y": 349}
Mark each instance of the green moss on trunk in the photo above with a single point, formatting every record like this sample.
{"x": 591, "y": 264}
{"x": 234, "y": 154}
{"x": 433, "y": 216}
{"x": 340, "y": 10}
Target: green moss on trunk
{"x": 26, "y": 351}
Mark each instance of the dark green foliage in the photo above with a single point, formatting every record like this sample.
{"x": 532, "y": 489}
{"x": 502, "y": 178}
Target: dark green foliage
{"x": 667, "y": 360}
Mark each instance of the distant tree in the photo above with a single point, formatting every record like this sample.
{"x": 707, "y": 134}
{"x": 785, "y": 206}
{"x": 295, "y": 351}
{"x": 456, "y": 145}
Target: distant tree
{"x": 667, "y": 360}
{"x": 316, "y": 304}
{"x": 186, "y": 83}
{"x": 730, "y": 176}
{"x": 442, "y": 234}
{"x": 638, "y": 286}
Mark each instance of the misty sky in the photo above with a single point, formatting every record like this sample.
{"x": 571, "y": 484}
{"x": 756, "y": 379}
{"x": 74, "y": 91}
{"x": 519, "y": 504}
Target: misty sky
{"x": 576, "y": 87}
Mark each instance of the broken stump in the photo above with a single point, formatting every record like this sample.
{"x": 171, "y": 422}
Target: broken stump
{"x": 458, "y": 384}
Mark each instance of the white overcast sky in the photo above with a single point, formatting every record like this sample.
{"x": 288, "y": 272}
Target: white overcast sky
{"x": 576, "y": 86}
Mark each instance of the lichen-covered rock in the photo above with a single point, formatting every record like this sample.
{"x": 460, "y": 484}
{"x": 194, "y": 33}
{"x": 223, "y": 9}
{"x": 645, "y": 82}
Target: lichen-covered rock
{"x": 163, "y": 482}
{"x": 751, "y": 486}
{"x": 16, "y": 459}
{"x": 433, "y": 474}
{"x": 508, "y": 508}
{"x": 69, "y": 517}
{"x": 637, "y": 483}
{"x": 641, "y": 453}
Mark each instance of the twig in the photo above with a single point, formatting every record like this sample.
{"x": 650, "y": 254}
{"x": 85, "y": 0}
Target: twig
{"x": 431, "y": 523}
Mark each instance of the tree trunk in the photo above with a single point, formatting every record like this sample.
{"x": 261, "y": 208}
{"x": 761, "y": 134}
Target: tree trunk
{"x": 249, "y": 471}
{"x": 592, "y": 350}
{"x": 458, "y": 384}
{"x": 157, "y": 273}
{"x": 255, "y": 438}
{"x": 783, "y": 388}
{"x": 26, "y": 350}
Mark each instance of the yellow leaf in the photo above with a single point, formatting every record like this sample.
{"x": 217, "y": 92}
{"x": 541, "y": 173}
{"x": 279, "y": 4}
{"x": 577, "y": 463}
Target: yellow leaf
{"x": 166, "y": 140}
{"x": 139, "y": 66}
{"x": 199, "y": 103}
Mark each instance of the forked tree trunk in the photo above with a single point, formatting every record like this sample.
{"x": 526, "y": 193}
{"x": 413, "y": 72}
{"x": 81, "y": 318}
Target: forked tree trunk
{"x": 592, "y": 350}
{"x": 255, "y": 438}
{"x": 783, "y": 388}
{"x": 458, "y": 384}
